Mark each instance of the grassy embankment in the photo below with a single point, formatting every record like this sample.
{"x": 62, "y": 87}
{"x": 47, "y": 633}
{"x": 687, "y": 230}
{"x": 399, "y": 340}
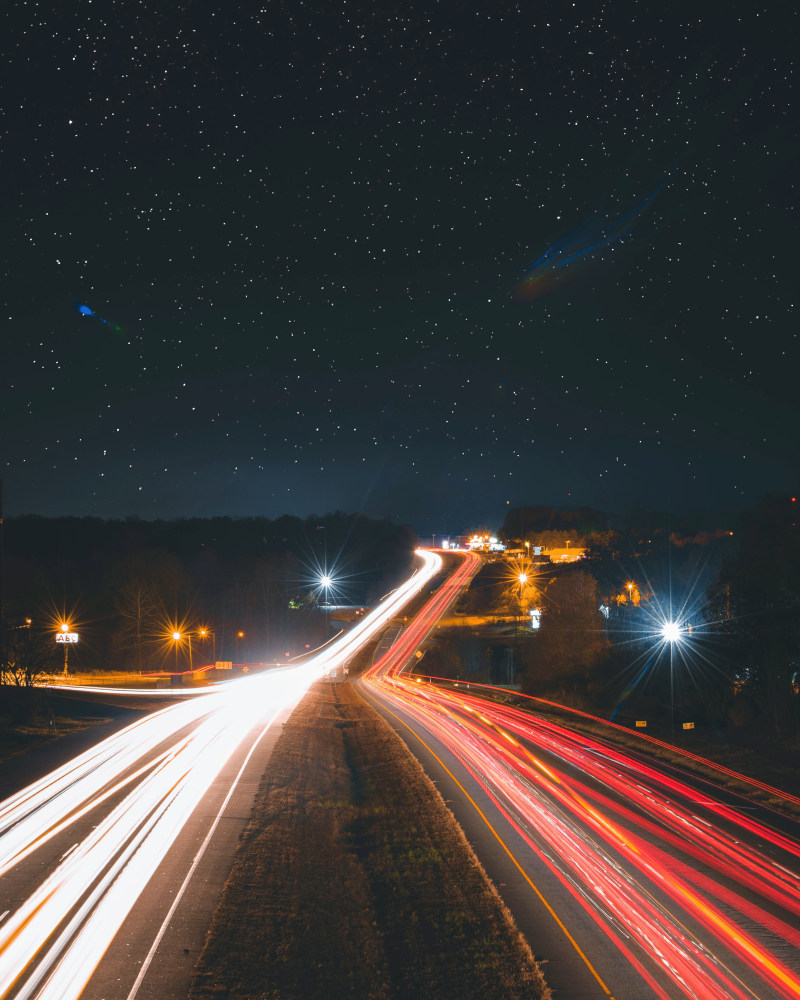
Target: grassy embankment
{"x": 353, "y": 879}
{"x": 30, "y": 717}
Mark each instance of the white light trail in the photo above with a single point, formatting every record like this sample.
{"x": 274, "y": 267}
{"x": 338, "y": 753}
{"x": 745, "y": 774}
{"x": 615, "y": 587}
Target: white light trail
{"x": 151, "y": 776}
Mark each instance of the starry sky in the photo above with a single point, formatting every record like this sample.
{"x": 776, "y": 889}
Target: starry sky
{"x": 421, "y": 260}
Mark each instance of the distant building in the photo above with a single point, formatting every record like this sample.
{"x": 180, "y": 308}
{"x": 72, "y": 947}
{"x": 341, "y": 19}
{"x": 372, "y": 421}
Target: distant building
{"x": 485, "y": 543}
{"x": 572, "y": 553}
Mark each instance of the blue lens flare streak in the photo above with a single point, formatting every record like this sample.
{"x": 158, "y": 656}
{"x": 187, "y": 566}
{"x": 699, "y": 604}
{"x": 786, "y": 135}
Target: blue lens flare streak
{"x": 591, "y": 236}
{"x": 85, "y": 310}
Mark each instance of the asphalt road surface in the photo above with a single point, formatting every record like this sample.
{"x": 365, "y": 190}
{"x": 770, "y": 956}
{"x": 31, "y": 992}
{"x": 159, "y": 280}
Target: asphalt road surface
{"x": 627, "y": 878}
{"x": 111, "y": 864}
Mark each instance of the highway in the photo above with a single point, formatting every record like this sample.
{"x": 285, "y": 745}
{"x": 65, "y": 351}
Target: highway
{"x": 631, "y": 879}
{"x": 103, "y": 862}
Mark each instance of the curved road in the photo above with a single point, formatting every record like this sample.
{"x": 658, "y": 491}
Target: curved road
{"x": 629, "y": 880}
{"x": 111, "y": 865}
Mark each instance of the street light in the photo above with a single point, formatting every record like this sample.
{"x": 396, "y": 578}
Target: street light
{"x": 64, "y": 637}
{"x": 176, "y": 638}
{"x": 672, "y": 633}
{"x": 64, "y": 631}
{"x": 522, "y": 579}
{"x": 326, "y": 581}
{"x": 239, "y": 635}
{"x": 204, "y": 634}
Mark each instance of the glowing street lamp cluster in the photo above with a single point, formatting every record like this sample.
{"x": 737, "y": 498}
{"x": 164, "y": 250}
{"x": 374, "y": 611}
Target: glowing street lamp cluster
{"x": 125, "y": 802}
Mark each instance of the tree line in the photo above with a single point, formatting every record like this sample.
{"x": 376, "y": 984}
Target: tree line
{"x": 244, "y": 589}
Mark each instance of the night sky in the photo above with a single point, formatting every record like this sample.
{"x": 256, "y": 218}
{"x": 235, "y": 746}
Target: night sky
{"x": 420, "y": 259}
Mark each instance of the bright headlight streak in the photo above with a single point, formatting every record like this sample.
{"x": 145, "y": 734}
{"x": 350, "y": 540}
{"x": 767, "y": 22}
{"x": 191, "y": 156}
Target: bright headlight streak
{"x": 102, "y": 763}
{"x": 21, "y": 937}
{"x": 175, "y": 788}
{"x": 37, "y": 816}
{"x": 102, "y": 915}
{"x": 24, "y": 845}
{"x": 97, "y": 882}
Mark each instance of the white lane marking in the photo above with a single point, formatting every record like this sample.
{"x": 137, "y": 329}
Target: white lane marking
{"x": 197, "y": 859}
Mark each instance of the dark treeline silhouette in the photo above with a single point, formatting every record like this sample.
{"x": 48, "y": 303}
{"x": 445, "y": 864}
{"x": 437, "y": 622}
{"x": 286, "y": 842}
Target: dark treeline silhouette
{"x": 524, "y": 521}
{"x": 756, "y": 601}
{"x": 243, "y": 589}
{"x": 637, "y": 530}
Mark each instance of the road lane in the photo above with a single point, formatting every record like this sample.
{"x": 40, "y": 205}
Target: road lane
{"x": 127, "y": 816}
{"x": 652, "y": 878}
{"x": 551, "y": 926}
{"x": 176, "y": 906}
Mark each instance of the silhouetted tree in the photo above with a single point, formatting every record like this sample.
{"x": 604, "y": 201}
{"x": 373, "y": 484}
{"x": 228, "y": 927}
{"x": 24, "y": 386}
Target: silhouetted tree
{"x": 28, "y": 652}
{"x": 572, "y": 639}
{"x": 148, "y": 589}
{"x": 757, "y": 600}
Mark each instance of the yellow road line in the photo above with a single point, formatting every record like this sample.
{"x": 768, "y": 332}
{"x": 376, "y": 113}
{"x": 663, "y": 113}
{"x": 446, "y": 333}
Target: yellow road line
{"x": 506, "y": 848}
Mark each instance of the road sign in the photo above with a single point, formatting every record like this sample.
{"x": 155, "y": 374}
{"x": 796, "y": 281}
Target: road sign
{"x": 688, "y": 725}
{"x": 641, "y": 724}
{"x": 66, "y": 637}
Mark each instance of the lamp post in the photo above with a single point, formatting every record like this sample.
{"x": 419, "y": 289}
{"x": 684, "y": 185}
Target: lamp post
{"x": 176, "y": 638}
{"x": 204, "y": 634}
{"x": 239, "y": 635}
{"x": 64, "y": 630}
{"x": 64, "y": 637}
{"x": 326, "y": 581}
{"x": 522, "y": 579}
{"x": 671, "y": 632}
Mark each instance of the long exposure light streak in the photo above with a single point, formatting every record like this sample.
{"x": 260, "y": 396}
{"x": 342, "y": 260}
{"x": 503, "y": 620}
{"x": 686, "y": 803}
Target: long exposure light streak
{"x": 702, "y": 899}
{"x": 128, "y": 799}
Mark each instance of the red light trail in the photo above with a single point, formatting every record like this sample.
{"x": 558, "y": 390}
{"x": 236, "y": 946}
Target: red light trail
{"x": 703, "y": 900}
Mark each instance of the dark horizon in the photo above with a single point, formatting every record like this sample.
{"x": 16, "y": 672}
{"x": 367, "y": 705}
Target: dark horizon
{"x": 689, "y": 519}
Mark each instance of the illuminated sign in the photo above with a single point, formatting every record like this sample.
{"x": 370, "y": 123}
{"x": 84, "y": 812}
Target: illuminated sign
{"x": 688, "y": 725}
{"x": 641, "y": 724}
{"x": 66, "y": 637}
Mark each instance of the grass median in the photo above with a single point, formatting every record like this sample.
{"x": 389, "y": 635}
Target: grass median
{"x": 353, "y": 879}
